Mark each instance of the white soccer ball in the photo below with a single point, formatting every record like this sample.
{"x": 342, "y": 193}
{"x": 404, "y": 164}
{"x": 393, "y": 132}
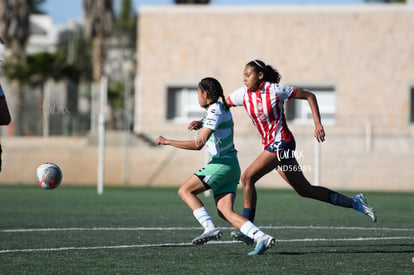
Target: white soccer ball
{"x": 48, "y": 175}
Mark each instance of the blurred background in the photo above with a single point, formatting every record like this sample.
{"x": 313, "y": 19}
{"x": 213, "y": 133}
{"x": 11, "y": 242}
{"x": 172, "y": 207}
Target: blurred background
{"x": 136, "y": 64}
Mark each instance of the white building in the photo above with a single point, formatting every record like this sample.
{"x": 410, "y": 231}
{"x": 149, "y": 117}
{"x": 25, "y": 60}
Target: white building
{"x": 43, "y": 34}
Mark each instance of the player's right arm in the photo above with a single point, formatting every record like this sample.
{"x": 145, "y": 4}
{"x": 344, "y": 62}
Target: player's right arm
{"x": 196, "y": 144}
{"x": 236, "y": 98}
{"x": 313, "y": 104}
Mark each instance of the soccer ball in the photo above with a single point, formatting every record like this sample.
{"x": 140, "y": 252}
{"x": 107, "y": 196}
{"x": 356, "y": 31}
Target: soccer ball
{"x": 48, "y": 175}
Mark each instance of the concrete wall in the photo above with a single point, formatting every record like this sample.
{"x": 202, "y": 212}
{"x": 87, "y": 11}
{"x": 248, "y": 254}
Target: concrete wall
{"x": 78, "y": 159}
{"x": 387, "y": 167}
{"x": 365, "y": 52}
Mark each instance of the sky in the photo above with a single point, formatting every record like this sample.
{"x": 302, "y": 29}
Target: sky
{"x": 63, "y": 11}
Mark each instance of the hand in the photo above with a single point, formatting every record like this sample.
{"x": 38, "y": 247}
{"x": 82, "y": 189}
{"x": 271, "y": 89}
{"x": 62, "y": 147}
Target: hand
{"x": 319, "y": 133}
{"x": 195, "y": 125}
{"x": 160, "y": 140}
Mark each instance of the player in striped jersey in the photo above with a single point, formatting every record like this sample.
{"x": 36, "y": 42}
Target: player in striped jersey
{"x": 263, "y": 99}
{"x": 221, "y": 174}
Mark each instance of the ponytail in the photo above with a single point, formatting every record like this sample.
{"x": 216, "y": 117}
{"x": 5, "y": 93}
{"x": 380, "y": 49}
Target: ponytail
{"x": 270, "y": 74}
{"x": 213, "y": 89}
{"x": 226, "y": 105}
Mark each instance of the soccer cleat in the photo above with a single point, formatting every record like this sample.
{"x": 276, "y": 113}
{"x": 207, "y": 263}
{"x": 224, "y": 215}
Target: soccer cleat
{"x": 216, "y": 234}
{"x": 263, "y": 243}
{"x": 361, "y": 205}
{"x": 238, "y": 236}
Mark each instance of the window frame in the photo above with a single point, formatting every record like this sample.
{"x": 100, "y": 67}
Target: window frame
{"x": 305, "y": 118}
{"x": 176, "y": 95}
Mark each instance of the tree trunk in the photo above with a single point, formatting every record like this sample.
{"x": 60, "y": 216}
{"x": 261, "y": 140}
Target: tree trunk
{"x": 97, "y": 61}
{"x": 45, "y": 108}
{"x": 97, "y": 57}
{"x": 18, "y": 128}
{"x": 17, "y": 120}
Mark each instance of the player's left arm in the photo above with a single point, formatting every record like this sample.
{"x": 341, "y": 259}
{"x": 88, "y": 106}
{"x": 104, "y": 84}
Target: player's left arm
{"x": 195, "y": 124}
{"x": 313, "y": 104}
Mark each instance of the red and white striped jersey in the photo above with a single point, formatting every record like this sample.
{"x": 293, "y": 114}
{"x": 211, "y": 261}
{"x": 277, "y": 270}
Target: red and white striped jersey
{"x": 265, "y": 108}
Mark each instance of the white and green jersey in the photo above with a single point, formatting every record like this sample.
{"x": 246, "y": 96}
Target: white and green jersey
{"x": 220, "y": 144}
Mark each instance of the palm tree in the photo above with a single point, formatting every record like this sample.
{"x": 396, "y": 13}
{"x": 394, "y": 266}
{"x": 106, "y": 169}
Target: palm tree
{"x": 99, "y": 20}
{"x": 126, "y": 22}
{"x": 123, "y": 44}
{"x": 15, "y": 31}
{"x": 36, "y": 70}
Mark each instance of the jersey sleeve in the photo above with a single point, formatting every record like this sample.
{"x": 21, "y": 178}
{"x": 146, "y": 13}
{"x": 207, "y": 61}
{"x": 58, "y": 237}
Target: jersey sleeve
{"x": 236, "y": 97}
{"x": 212, "y": 118}
{"x": 285, "y": 92}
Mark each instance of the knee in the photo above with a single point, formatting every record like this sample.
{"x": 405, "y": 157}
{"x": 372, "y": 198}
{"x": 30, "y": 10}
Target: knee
{"x": 182, "y": 192}
{"x": 246, "y": 179}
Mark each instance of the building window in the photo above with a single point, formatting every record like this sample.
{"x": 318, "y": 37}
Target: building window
{"x": 299, "y": 112}
{"x": 412, "y": 105}
{"x": 182, "y": 104}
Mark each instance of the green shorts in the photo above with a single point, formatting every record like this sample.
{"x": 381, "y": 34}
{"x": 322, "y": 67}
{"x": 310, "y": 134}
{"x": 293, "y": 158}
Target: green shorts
{"x": 221, "y": 175}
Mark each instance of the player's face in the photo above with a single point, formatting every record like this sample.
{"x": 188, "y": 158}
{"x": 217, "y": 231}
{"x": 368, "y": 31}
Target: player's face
{"x": 252, "y": 79}
{"x": 202, "y": 98}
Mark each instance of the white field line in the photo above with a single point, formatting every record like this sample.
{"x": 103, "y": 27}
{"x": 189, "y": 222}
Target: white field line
{"x": 56, "y": 249}
{"x": 24, "y": 230}
{"x": 18, "y": 230}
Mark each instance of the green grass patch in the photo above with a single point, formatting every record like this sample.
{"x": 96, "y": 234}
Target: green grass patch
{"x": 73, "y": 230}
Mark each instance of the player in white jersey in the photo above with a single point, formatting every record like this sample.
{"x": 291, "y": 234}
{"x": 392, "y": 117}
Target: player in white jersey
{"x": 263, "y": 98}
{"x": 221, "y": 174}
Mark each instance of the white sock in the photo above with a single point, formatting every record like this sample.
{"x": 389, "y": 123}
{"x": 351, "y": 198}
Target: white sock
{"x": 251, "y": 230}
{"x": 204, "y": 219}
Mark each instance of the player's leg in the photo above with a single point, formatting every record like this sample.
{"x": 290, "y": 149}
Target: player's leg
{"x": 297, "y": 180}
{"x": 246, "y": 227}
{"x": 282, "y": 174}
{"x": 225, "y": 209}
{"x": 189, "y": 190}
{"x": 302, "y": 186}
{"x": 262, "y": 165}
{"x": 188, "y": 193}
